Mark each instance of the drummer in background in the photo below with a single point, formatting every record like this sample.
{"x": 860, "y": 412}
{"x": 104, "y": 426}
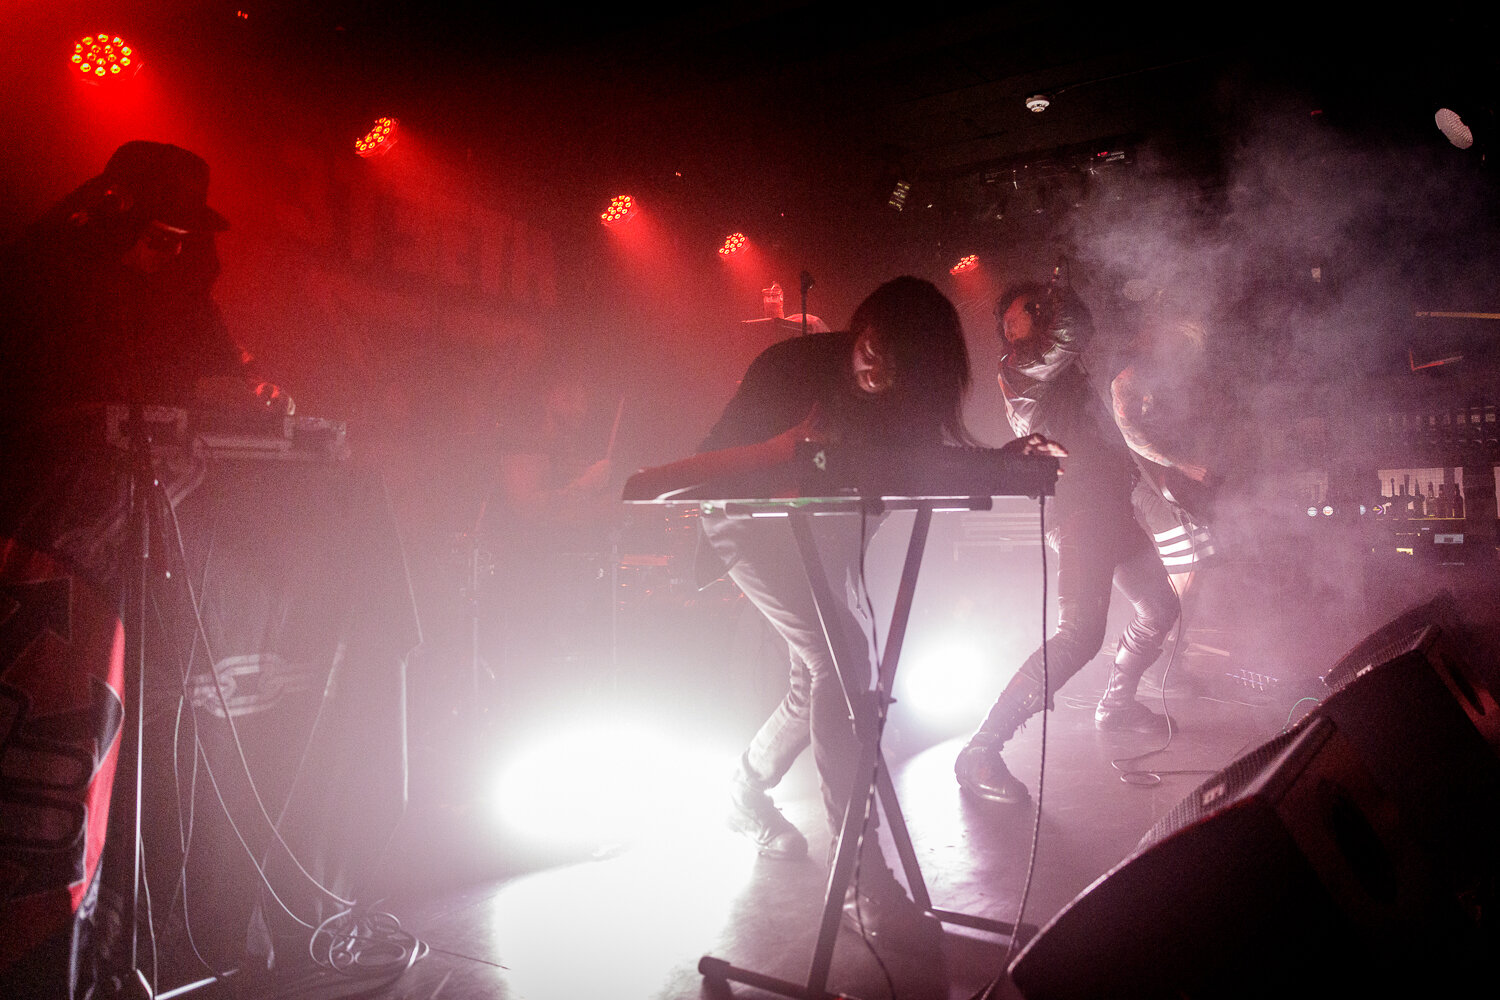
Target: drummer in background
{"x": 558, "y": 509}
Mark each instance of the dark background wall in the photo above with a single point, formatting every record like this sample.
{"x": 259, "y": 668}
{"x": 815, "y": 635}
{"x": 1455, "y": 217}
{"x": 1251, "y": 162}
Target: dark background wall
{"x": 1282, "y": 180}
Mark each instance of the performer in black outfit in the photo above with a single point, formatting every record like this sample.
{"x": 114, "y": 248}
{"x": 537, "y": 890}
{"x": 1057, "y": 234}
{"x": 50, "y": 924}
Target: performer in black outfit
{"x": 896, "y": 377}
{"x": 108, "y": 295}
{"x": 107, "y": 299}
{"x": 1092, "y": 527}
{"x": 104, "y": 300}
{"x": 557, "y": 507}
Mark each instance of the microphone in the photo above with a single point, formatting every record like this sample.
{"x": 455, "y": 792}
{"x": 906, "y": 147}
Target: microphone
{"x": 1056, "y": 288}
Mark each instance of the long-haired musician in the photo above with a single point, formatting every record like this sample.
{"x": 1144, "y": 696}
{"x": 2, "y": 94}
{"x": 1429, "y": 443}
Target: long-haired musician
{"x": 897, "y": 376}
{"x": 1047, "y": 388}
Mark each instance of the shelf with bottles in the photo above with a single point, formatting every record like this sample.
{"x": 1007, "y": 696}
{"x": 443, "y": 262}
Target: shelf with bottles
{"x": 1433, "y": 494}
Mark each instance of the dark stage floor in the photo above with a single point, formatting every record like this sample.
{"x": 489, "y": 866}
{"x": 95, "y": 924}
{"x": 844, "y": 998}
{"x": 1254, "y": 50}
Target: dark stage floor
{"x": 505, "y": 918}
{"x": 634, "y": 923}
{"x": 566, "y": 913}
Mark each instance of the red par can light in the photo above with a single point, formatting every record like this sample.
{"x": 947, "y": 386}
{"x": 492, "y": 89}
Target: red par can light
{"x": 733, "y": 244}
{"x": 103, "y": 56}
{"x": 622, "y": 208}
{"x": 966, "y": 263}
{"x": 380, "y": 138}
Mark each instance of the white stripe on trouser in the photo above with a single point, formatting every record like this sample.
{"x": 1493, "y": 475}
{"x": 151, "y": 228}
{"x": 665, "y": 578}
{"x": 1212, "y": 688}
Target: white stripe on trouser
{"x": 1179, "y": 548}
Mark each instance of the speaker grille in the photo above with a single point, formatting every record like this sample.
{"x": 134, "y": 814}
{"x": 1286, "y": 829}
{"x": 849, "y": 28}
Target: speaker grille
{"x": 1223, "y": 788}
{"x": 1411, "y": 630}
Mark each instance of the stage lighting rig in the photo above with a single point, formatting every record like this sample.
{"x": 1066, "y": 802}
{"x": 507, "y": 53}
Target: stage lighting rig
{"x": 1453, "y": 127}
{"x": 379, "y": 140}
{"x": 899, "y": 193}
{"x": 622, "y": 208}
{"x": 734, "y": 243}
{"x": 103, "y": 56}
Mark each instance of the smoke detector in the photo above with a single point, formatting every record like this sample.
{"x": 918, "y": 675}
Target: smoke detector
{"x": 1037, "y": 103}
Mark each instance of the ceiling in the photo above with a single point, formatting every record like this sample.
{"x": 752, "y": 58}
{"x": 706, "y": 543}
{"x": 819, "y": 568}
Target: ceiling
{"x": 778, "y": 100}
{"x": 782, "y": 113}
{"x": 935, "y": 91}
{"x": 812, "y": 109}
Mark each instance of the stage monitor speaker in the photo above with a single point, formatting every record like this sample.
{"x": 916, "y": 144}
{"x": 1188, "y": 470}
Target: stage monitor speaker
{"x": 1436, "y": 632}
{"x": 1288, "y": 870}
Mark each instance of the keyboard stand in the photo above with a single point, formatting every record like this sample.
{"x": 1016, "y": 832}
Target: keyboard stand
{"x": 868, "y": 710}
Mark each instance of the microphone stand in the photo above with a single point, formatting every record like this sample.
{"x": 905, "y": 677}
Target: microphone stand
{"x": 807, "y": 282}
{"x": 137, "y": 985}
{"x": 142, "y": 479}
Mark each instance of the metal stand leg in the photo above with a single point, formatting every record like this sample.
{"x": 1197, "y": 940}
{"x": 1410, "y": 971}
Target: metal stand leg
{"x": 868, "y": 709}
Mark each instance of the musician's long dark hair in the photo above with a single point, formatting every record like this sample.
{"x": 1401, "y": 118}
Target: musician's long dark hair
{"x": 919, "y": 329}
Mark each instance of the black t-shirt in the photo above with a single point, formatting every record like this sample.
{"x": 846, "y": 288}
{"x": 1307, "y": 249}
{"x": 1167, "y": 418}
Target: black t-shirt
{"x": 788, "y": 379}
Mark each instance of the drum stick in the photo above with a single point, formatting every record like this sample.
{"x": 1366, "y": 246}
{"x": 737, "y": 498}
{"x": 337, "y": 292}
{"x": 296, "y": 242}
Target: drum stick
{"x": 609, "y": 451}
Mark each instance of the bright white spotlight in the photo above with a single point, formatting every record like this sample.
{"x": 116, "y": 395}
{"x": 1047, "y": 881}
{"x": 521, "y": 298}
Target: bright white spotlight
{"x": 609, "y": 782}
{"x": 946, "y": 681}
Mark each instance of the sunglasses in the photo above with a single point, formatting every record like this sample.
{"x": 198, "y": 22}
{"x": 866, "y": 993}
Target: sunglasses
{"x": 163, "y": 239}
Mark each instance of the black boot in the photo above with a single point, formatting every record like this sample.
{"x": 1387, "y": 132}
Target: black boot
{"x": 980, "y": 769}
{"x": 1118, "y": 709}
{"x": 752, "y": 813}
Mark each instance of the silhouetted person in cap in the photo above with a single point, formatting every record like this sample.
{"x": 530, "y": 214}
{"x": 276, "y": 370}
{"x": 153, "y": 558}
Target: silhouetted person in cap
{"x": 107, "y": 300}
{"x": 107, "y": 296}
{"x": 104, "y": 300}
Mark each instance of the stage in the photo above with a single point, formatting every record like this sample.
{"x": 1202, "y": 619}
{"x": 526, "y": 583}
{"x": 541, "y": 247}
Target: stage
{"x": 503, "y": 914}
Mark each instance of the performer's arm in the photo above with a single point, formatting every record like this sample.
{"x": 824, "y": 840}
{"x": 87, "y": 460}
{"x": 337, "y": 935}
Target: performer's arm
{"x": 524, "y": 484}
{"x": 761, "y": 461}
{"x": 1032, "y": 366}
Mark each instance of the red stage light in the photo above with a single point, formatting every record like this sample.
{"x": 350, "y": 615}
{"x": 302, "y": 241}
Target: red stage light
{"x": 967, "y": 263}
{"x": 104, "y": 57}
{"x": 380, "y": 138}
{"x": 620, "y": 211}
{"x": 733, "y": 244}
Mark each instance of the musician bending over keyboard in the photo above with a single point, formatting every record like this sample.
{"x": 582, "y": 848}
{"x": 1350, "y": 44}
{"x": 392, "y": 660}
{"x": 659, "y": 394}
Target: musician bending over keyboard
{"x": 1091, "y": 526}
{"x": 897, "y": 376}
